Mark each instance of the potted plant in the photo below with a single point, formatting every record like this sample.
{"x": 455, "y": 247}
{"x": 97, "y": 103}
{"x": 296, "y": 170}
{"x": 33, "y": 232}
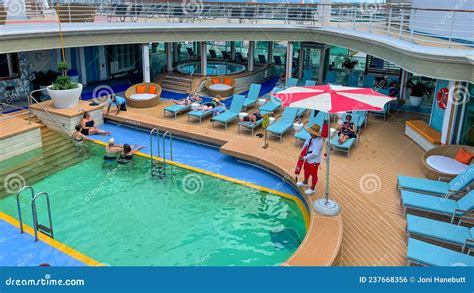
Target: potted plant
{"x": 349, "y": 64}
{"x": 417, "y": 92}
{"x": 64, "y": 92}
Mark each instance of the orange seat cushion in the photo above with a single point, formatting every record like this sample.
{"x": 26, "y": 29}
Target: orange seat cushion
{"x": 228, "y": 81}
{"x": 215, "y": 80}
{"x": 428, "y": 132}
{"x": 464, "y": 156}
{"x": 141, "y": 89}
{"x": 152, "y": 89}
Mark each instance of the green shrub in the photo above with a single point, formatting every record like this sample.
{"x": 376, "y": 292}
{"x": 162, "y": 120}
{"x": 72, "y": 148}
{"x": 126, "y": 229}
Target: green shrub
{"x": 63, "y": 82}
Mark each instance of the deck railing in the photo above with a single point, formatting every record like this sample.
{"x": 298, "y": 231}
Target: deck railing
{"x": 429, "y": 27}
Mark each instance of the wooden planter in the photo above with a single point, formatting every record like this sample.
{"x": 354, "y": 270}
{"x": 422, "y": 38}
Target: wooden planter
{"x": 68, "y": 13}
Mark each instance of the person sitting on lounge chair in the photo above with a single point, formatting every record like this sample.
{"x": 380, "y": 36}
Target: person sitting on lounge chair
{"x": 346, "y": 130}
{"x": 195, "y": 98}
{"x": 210, "y": 105}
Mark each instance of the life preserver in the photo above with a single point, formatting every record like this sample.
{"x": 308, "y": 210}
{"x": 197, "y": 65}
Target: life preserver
{"x": 443, "y": 97}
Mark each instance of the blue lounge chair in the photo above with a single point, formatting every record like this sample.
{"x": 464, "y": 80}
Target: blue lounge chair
{"x": 356, "y": 119}
{"x": 199, "y": 114}
{"x": 437, "y": 205}
{"x": 318, "y": 119}
{"x": 383, "y": 113}
{"x": 310, "y": 82}
{"x": 362, "y": 121}
{"x": 345, "y": 147}
{"x": 232, "y": 113}
{"x": 252, "y": 96}
{"x": 422, "y": 185}
{"x": 292, "y": 82}
{"x": 176, "y": 109}
{"x": 301, "y": 112}
{"x": 331, "y": 77}
{"x": 249, "y": 125}
{"x": 270, "y": 106}
{"x": 369, "y": 81}
{"x": 423, "y": 253}
{"x": 280, "y": 127}
{"x": 440, "y": 231}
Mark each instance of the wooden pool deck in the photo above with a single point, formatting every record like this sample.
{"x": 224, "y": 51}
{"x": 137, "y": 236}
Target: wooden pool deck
{"x": 370, "y": 229}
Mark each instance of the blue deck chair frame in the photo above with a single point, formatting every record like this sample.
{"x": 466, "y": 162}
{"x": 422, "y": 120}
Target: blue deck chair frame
{"x": 440, "y": 188}
{"x": 423, "y": 253}
{"x": 280, "y": 127}
{"x": 318, "y": 119}
{"x": 429, "y": 204}
{"x": 252, "y": 96}
{"x": 270, "y": 106}
{"x": 231, "y": 114}
{"x": 249, "y": 126}
{"x": 442, "y": 232}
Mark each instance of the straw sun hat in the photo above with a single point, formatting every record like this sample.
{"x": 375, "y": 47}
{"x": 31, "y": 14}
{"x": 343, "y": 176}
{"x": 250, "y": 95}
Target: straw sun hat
{"x": 315, "y": 130}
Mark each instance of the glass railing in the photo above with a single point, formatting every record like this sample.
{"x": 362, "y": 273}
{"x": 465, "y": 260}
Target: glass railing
{"x": 424, "y": 26}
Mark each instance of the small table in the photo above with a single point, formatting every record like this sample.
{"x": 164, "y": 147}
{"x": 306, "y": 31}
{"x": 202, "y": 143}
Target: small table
{"x": 242, "y": 115}
{"x": 271, "y": 120}
{"x": 445, "y": 165}
{"x": 332, "y": 132}
{"x": 194, "y": 106}
{"x": 261, "y": 101}
{"x": 298, "y": 126}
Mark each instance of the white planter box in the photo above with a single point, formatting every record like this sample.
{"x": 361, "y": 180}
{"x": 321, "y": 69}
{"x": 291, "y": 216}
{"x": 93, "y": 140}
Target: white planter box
{"x": 63, "y": 99}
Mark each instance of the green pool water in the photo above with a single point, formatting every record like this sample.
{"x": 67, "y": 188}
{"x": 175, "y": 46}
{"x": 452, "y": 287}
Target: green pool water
{"x": 119, "y": 215}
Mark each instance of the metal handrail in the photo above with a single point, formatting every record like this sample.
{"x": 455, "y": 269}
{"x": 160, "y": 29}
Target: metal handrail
{"x": 396, "y": 21}
{"x": 20, "y": 219}
{"x": 191, "y": 76}
{"x": 31, "y": 98}
{"x": 35, "y": 214}
{"x": 151, "y": 145}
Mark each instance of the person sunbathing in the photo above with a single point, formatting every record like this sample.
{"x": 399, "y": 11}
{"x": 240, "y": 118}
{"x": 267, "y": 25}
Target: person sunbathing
{"x": 210, "y": 105}
{"x": 195, "y": 98}
{"x": 253, "y": 117}
{"x": 346, "y": 130}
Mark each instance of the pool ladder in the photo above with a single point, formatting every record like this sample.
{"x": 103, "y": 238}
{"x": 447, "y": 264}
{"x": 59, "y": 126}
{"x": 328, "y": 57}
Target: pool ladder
{"x": 159, "y": 167}
{"x": 36, "y": 225}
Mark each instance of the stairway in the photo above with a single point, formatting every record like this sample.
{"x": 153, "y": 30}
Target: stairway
{"x": 58, "y": 152}
{"x": 176, "y": 84}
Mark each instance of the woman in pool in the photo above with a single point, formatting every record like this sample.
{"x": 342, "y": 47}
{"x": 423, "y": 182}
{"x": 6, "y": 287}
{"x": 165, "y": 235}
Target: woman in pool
{"x": 211, "y": 105}
{"x": 78, "y": 138}
{"x": 87, "y": 126}
{"x": 346, "y": 130}
{"x": 127, "y": 153}
{"x": 195, "y": 98}
{"x": 112, "y": 150}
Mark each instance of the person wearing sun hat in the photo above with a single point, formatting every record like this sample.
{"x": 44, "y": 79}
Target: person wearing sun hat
{"x": 311, "y": 155}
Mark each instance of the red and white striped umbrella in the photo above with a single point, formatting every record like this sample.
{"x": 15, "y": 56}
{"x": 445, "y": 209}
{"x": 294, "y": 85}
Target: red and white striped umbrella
{"x": 333, "y": 98}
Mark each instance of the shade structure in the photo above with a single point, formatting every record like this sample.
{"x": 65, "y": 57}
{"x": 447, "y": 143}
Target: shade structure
{"x": 332, "y": 99}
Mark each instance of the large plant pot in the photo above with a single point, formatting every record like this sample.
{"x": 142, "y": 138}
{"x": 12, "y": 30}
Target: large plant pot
{"x": 64, "y": 99}
{"x": 416, "y": 101}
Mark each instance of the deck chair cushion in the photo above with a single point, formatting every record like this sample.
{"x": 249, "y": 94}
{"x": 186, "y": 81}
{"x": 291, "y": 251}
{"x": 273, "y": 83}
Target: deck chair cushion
{"x": 430, "y": 254}
{"x": 347, "y": 145}
{"x": 428, "y": 202}
{"x": 225, "y": 117}
{"x": 200, "y": 113}
{"x": 438, "y": 230}
{"x": 422, "y": 184}
{"x": 177, "y": 108}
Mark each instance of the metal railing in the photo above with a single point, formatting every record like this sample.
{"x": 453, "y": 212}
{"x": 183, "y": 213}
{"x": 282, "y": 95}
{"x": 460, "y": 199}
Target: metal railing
{"x": 430, "y": 27}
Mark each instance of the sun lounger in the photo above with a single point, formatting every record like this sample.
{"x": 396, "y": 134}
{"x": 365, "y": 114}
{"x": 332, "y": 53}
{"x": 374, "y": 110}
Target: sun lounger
{"x": 252, "y": 96}
{"x": 437, "y": 205}
{"x": 249, "y": 125}
{"x": 353, "y": 80}
{"x": 383, "y": 113}
{"x": 292, "y": 82}
{"x": 318, "y": 119}
{"x": 270, "y": 106}
{"x": 331, "y": 77}
{"x": 232, "y": 113}
{"x": 176, "y": 109}
{"x": 440, "y": 231}
{"x": 310, "y": 82}
{"x": 362, "y": 118}
{"x": 301, "y": 112}
{"x": 456, "y": 185}
{"x": 280, "y": 127}
{"x": 423, "y": 253}
{"x": 345, "y": 147}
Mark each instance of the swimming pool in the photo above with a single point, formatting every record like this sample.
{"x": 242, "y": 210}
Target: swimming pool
{"x": 213, "y": 68}
{"x": 120, "y": 215}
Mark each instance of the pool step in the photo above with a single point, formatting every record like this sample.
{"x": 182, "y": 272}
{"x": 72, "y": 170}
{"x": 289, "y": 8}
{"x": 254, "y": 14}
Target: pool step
{"x": 58, "y": 152}
{"x": 178, "y": 84}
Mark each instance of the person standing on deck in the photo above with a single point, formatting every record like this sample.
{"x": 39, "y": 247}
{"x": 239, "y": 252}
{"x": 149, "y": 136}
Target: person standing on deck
{"x": 311, "y": 158}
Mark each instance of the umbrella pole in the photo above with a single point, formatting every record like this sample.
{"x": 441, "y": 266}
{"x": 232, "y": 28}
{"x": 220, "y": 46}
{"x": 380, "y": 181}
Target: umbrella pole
{"x": 325, "y": 206}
